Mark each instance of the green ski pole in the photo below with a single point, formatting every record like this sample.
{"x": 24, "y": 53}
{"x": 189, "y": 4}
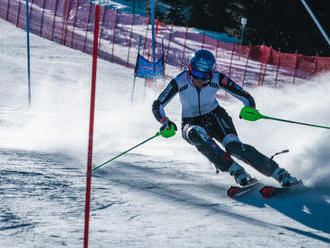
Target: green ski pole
{"x": 251, "y": 114}
{"x": 121, "y": 154}
{"x": 167, "y": 133}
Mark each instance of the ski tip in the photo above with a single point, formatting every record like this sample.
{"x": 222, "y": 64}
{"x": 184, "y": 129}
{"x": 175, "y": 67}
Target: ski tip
{"x": 267, "y": 192}
{"x": 232, "y": 191}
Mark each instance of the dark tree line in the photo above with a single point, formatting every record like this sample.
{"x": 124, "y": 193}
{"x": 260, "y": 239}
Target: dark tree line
{"x": 283, "y": 24}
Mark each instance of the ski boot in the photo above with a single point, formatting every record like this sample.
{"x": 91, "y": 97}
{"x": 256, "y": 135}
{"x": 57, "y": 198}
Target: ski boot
{"x": 240, "y": 175}
{"x": 284, "y": 178}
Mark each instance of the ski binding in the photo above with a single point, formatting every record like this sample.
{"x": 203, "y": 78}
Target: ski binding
{"x": 235, "y": 191}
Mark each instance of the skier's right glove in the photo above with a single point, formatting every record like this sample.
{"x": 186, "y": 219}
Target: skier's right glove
{"x": 168, "y": 128}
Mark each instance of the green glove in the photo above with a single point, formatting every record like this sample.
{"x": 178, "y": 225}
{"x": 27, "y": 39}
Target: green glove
{"x": 250, "y": 114}
{"x": 168, "y": 128}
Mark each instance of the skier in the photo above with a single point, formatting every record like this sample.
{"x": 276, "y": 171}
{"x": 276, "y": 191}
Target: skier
{"x": 203, "y": 120}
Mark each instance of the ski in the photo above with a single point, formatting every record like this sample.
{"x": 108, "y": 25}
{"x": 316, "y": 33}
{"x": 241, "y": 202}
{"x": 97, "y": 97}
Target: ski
{"x": 235, "y": 191}
{"x": 271, "y": 191}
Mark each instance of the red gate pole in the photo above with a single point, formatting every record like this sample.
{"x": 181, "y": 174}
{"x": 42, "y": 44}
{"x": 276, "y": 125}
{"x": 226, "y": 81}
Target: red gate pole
{"x": 91, "y": 125}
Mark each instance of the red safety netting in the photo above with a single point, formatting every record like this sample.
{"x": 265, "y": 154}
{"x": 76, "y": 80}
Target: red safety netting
{"x": 70, "y": 22}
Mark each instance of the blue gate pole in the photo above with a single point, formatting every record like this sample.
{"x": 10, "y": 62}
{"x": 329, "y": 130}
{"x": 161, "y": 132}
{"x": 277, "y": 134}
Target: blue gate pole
{"x": 28, "y": 50}
{"x": 152, "y": 9}
{"x": 316, "y": 22}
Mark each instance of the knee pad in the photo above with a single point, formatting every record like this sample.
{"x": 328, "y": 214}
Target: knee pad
{"x": 195, "y": 134}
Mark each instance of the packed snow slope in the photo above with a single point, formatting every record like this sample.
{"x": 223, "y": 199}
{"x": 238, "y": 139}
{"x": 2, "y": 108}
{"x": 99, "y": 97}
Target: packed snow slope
{"x": 162, "y": 194}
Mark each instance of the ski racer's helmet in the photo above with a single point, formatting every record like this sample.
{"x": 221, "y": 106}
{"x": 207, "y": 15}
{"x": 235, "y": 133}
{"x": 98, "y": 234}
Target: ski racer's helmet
{"x": 202, "y": 64}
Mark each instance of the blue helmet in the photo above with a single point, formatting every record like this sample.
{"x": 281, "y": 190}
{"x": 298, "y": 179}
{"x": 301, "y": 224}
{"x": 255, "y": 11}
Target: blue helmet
{"x": 202, "y": 64}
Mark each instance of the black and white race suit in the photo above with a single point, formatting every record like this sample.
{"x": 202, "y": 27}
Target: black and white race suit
{"x": 203, "y": 120}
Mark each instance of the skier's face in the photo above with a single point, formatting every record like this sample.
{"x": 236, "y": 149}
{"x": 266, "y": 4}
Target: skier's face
{"x": 200, "y": 82}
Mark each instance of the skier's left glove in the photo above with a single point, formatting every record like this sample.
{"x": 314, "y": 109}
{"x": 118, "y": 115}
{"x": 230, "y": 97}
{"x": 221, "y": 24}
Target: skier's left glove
{"x": 168, "y": 128}
{"x": 249, "y": 107}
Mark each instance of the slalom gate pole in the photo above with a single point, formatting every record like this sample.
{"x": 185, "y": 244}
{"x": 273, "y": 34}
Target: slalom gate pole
{"x": 121, "y": 154}
{"x": 91, "y": 126}
{"x": 27, "y": 18}
{"x": 251, "y": 114}
{"x": 310, "y": 12}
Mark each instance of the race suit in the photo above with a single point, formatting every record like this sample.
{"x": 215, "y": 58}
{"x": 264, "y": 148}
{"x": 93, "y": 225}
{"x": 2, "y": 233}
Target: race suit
{"x": 203, "y": 120}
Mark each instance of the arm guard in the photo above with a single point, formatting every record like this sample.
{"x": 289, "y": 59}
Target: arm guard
{"x": 164, "y": 98}
{"x": 235, "y": 90}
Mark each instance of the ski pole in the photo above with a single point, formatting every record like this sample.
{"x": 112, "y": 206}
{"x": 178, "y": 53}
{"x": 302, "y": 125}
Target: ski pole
{"x": 251, "y": 114}
{"x": 121, "y": 154}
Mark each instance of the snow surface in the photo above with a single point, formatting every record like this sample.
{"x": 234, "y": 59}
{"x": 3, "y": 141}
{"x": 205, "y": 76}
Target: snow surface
{"x": 164, "y": 193}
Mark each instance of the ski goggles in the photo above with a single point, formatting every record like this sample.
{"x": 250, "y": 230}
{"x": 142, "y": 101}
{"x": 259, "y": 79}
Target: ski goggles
{"x": 200, "y": 75}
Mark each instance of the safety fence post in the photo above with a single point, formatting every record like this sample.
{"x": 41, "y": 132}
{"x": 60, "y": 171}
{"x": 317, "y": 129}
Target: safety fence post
{"x": 295, "y": 63}
{"x": 315, "y": 63}
{"x": 169, "y": 43}
{"x": 216, "y": 54}
{"x": 65, "y": 20}
{"x": 231, "y": 59}
{"x": 75, "y": 6}
{"x": 27, "y": 21}
{"x": 150, "y": 47}
{"x": 114, "y": 36}
{"x": 203, "y": 40}
{"x": 157, "y": 27}
{"x": 8, "y": 6}
{"x": 89, "y": 19}
{"x": 65, "y": 17}
{"x": 54, "y": 19}
{"x": 184, "y": 47}
{"x": 101, "y": 28}
{"x": 145, "y": 37}
{"x": 246, "y": 64}
{"x": 31, "y": 9}
{"x": 130, "y": 38}
{"x": 42, "y": 18}
{"x": 278, "y": 65}
{"x": 263, "y": 65}
{"x": 18, "y": 12}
